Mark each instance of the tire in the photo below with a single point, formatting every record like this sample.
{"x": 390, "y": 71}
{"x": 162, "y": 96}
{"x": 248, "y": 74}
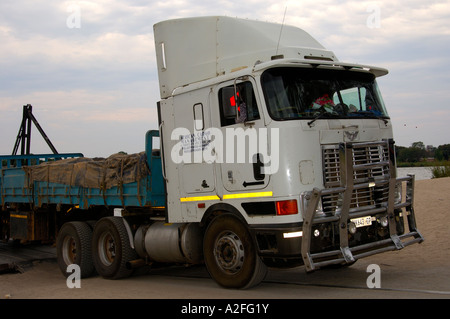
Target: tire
{"x": 73, "y": 246}
{"x": 230, "y": 254}
{"x": 111, "y": 248}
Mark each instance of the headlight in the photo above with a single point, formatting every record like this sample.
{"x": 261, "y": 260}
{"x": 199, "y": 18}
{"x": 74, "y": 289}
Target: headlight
{"x": 351, "y": 228}
{"x": 383, "y": 221}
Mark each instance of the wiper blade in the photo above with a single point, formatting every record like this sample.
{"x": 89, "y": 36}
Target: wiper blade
{"x": 323, "y": 111}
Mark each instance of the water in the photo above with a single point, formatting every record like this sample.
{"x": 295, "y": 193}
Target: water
{"x": 419, "y": 172}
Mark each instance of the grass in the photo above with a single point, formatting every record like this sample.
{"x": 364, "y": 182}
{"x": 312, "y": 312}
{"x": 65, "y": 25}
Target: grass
{"x": 423, "y": 164}
{"x": 440, "y": 171}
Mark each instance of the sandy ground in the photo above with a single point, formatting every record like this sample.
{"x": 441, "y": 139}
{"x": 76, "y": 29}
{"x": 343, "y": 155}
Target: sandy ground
{"x": 418, "y": 271}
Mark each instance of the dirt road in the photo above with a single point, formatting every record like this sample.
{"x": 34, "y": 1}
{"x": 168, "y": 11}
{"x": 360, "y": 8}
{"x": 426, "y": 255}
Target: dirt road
{"x": 418, "y": 271}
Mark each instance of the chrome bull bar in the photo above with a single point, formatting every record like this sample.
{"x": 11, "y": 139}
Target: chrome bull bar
{"x": 346, "y": 254}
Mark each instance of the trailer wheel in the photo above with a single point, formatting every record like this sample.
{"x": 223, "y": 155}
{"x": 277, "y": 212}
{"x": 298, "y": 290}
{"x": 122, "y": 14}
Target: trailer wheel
{"x": 73, "y": 246}
{"x": 111, "y": 248}
{"x": 230, "y": 254}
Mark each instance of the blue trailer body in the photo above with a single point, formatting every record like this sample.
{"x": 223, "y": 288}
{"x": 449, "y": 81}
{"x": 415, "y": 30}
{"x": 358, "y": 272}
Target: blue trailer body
{"x": 15, "y": 188}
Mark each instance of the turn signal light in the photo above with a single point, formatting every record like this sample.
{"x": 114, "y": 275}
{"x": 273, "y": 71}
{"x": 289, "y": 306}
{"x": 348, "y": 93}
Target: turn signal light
{"x": 287, "y": 207}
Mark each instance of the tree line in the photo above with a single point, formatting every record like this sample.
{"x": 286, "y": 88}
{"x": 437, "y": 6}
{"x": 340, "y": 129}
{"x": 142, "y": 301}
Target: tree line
{"x": 418, "y": 152}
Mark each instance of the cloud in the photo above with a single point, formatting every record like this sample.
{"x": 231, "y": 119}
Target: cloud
{"x": 94, "y": 88}
{"x": 90, "y": 87}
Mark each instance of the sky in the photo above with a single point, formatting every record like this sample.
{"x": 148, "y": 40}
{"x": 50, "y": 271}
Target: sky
{"x": 89, "y": 67}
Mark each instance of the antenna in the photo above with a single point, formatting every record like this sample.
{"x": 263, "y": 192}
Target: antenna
{"x": 281, "y": 30}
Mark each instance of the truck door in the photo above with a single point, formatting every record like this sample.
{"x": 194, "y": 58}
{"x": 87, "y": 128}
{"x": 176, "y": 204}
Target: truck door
{"x": 243, "y": 130}
{"x": 196, "y": 176}
{"x": 184, "y": 123}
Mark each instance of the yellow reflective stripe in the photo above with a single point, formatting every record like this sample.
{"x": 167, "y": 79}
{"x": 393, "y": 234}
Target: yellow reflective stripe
{"x": 199, "y": 198}
{"x": 226, "y": 196}
{"x": 248, "y": 195}
{"x": 18, "y": 216}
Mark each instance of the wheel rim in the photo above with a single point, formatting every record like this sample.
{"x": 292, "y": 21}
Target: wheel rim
{"x": 69, "y": 250}
{"x": 229, "y": 252}
{"x": 107, "y": 248}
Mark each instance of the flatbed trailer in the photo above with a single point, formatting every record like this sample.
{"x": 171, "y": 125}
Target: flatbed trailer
{"x": 36, "y": 209}
{"x": 18, "y": 186}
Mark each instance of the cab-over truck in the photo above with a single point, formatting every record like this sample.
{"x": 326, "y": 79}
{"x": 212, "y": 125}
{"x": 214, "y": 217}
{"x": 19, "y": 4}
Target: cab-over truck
{"x": 272, "y": 153}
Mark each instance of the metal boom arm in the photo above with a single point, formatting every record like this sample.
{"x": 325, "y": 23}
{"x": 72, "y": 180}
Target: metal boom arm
{"x": 24, "y": 135}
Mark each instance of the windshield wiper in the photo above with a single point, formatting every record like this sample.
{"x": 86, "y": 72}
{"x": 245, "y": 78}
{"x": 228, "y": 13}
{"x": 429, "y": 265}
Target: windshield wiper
{"x": 322, "y": 112}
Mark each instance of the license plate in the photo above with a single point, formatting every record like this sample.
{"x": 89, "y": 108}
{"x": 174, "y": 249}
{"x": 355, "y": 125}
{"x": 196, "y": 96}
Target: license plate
{"x": 362, "y": 221}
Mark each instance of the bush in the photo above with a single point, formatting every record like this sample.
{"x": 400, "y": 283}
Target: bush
{"x": 441, "y": 171}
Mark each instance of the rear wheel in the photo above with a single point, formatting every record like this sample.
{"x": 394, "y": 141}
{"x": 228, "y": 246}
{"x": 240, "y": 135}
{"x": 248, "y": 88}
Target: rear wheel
{"x": 111, "y": 248}
{"x": 230, "y": 254}
{"x": 73, "y": 246}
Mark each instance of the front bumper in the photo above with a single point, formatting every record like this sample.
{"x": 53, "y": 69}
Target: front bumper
{"x": 322, "y": 240}
{"x": 401, "y": 232}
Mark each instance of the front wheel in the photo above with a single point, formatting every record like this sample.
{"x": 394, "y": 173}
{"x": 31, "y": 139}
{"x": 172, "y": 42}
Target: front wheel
{"x": 230, "y": 254}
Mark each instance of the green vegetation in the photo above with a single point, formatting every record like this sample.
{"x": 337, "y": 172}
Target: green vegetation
{"x": 441, "y": 171}
{"x": 427, "y": 163}
{"x": 417, "y": 155}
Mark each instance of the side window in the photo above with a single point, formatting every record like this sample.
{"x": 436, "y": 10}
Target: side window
{"x": 199, "y": 124}
{"x": 244, "y": 99}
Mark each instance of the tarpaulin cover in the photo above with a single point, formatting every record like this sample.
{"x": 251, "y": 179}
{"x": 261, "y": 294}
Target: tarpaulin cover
{"x": 91, "y": 172}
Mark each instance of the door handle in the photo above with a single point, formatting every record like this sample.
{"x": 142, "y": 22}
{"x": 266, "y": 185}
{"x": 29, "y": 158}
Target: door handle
{"x": 257, "y": 167}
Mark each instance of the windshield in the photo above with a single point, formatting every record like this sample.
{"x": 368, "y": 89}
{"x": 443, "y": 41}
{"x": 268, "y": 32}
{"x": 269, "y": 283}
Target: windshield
{"x": 312, "y": 93}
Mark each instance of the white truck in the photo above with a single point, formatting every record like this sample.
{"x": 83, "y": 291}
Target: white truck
{"x": 282, "y": 153}
{"x": 272, "y": 154}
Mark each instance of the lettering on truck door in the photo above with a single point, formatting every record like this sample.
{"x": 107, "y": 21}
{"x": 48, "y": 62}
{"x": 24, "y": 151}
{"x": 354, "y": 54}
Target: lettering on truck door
{"x": 192, "y": 136}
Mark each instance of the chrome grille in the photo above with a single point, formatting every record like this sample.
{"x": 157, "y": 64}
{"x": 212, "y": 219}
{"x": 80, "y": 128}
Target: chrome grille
{"x": 372, "y": 159}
